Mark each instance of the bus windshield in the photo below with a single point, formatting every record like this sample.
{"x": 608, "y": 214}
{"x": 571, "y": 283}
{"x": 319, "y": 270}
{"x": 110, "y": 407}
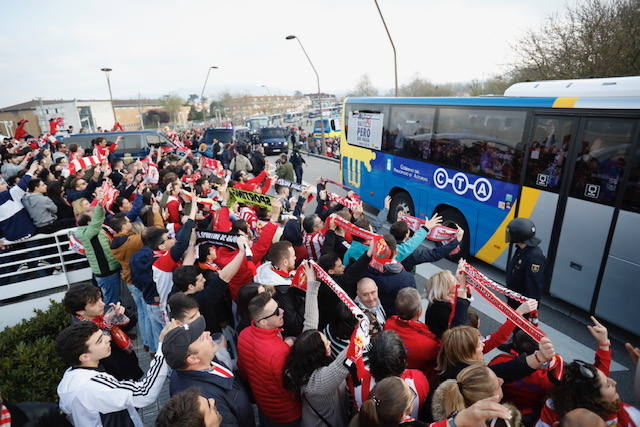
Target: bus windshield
{"x": 257, "y": 123}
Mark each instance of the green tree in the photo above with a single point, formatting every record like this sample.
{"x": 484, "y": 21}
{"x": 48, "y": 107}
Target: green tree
{"x": 364, "y": 87}
{"x": 597, "y": 38}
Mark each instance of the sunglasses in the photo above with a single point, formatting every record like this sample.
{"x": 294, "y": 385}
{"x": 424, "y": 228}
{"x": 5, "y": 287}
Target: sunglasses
{"x": 585, "y": 369}
{"x": 275, "y": 313}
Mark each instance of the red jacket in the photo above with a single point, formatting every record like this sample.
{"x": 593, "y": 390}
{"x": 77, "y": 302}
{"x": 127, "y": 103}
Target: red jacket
{"x": 245, "y": 273}
{"x": 262, "y": 354}
{"x": 528, "y": 393}
{"x": 498, "y": 337}
{"x": 421, "y": 344}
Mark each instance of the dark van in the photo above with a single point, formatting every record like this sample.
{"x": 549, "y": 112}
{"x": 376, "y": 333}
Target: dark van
{"x": 274, "y": 140}
{"x": 133, "y": 145}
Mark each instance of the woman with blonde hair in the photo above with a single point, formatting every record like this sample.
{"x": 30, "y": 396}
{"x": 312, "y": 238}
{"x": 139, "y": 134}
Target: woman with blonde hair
{"x": 389, "y": 405}
{"x": 461, "y": 346}
{"x": 473, "y": 383}
{"x": 443, "y": 298}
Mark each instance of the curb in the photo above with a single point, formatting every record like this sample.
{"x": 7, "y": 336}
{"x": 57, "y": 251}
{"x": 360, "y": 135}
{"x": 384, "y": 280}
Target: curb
{"x": 331, "y": 159}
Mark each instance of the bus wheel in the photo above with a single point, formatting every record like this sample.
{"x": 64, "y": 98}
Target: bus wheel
{"x": 400, "y": 201}
{"x": 451, "y": 218}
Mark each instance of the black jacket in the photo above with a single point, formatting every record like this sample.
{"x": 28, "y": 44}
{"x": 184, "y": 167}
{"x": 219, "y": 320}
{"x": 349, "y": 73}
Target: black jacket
{"x": 232, "y": 399}
{"x": 437, "y": 315}
{"x": 509, "y": 371}
{"x": 526, "y": 272}
{"x": 328, "y": 301}
{"x": 291, "y": 300}
{"x": 214, "y": 301}
{"x": 334, "y": 243}
{"x": 257, "y": 162}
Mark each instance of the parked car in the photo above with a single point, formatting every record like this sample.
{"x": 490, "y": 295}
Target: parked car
{"x": 133, "y": 145}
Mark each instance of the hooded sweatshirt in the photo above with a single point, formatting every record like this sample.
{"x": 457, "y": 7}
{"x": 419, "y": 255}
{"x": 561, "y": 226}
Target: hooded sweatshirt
{"x": 41, "y": 209}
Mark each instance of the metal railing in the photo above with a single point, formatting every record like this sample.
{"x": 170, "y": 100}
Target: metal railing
{"x": 35, "y": 270}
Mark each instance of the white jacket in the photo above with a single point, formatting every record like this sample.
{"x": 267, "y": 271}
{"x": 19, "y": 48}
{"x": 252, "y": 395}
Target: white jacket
{"x": 266, "y": 276}
{"x": 91, "y": 397}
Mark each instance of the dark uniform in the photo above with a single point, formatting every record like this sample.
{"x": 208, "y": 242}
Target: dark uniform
{"x": 526, "y": 269}
{"x": 525, "y": 273}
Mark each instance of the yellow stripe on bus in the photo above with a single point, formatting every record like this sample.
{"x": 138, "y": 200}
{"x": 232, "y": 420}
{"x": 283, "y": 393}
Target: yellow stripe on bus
{"x": 564, "y": 102}
{"x": 496, "y": 245}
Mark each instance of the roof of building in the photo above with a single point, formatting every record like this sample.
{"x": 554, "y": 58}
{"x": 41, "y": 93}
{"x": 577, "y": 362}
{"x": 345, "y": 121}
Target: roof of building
{"x": 118, "y": 103}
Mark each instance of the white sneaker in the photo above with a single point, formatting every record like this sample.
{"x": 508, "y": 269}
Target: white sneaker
{"x": 56, "y": 271}
{"x": 43, "y": 263}
{"x": 23, "y": 267}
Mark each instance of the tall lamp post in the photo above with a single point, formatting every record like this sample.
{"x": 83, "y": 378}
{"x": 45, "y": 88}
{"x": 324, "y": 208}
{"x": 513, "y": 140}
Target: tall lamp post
{"x": 107, "y": 70}
{"x": 393, "y": 46}
{"x": 204, "y": 114}
{"x": 324, "y": 145}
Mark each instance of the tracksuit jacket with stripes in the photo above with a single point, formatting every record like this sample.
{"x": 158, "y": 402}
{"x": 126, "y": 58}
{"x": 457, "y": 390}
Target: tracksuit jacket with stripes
{"x": 92, "y": 398}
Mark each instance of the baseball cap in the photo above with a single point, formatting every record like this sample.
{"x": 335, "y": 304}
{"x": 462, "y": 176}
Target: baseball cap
{"x": 176, "y": 343}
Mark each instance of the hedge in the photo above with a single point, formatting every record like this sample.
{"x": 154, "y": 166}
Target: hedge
{"x": 30, "y": 368}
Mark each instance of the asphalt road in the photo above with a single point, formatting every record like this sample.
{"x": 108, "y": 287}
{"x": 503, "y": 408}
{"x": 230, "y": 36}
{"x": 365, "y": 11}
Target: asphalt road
{"x": 564, "y": 324}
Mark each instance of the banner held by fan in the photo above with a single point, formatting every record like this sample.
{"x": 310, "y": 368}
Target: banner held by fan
{"x": 249, "y": 197}
{"x": 482, "y": 285}
{"x": 217, "y": 238}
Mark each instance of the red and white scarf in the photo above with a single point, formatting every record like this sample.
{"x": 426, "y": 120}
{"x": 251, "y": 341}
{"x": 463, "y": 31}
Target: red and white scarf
{"x": 219, "y": 370}
{"x": 5, "y": 417}
{"x": 82, "y": 163}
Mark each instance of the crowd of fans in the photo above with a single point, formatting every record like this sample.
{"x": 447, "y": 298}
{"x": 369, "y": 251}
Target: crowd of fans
{"x": 241, "y": 342}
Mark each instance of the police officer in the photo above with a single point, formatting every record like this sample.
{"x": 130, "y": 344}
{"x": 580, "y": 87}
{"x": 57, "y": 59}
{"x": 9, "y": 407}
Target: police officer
{"x": 525, "y": 271}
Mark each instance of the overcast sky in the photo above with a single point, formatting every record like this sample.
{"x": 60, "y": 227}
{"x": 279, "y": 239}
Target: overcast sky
{"x": 54, "y": 49}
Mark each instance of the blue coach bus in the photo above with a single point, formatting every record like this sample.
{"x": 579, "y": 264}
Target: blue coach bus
{"x": 564, "y": 153}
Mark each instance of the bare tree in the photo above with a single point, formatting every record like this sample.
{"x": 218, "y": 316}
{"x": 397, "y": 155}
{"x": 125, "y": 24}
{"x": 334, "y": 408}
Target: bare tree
{"x": 421, "y": 87}
{"x": 598, "y": 38}
{"x": 364, "y": 87}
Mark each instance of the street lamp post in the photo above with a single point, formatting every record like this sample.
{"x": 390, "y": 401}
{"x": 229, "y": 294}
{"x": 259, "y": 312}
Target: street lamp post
{"x": 393, "y": 46}
{"x": 107, "y": 70}
{"x": 324, "y": 144}
{"x": 204, "y": 114}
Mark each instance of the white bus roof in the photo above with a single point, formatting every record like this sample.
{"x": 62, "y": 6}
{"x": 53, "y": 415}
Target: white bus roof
{"x": 604, "y": 87}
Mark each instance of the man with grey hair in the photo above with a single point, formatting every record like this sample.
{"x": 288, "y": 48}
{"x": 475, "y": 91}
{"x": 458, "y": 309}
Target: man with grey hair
{"x": 421, "y": 344}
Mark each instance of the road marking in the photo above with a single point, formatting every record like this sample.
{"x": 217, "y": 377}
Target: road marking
{"x": 569, "y": 348}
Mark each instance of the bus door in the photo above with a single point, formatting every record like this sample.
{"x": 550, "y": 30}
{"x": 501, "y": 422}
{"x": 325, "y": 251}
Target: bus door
{"x": 596, "y": 163}
{"x": 619, "y": 285}
{"x": 545, "y": 176}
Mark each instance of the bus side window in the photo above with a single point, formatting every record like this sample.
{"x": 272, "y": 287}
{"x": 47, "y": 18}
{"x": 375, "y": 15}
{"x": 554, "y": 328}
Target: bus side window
{"x": 410, "y": 131}
{"x": 551, "y": 140}
{"x": 631, "y": 199}
{"x": 480, "y": 141}
{"x": 601, "y": 159}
